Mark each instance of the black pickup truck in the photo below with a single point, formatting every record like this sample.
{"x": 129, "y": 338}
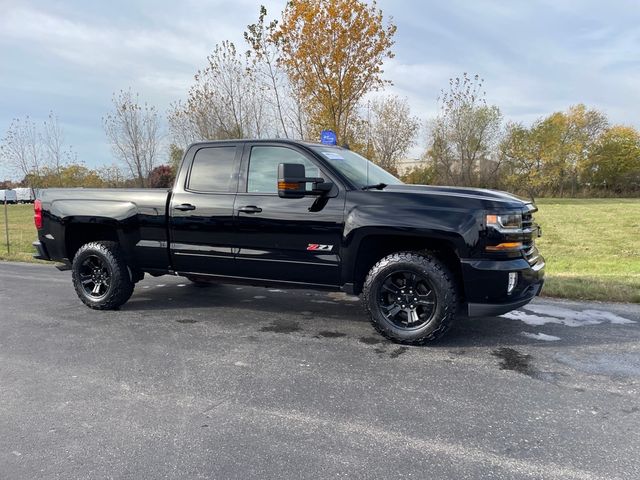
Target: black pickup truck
{"x": 308, "y": 215}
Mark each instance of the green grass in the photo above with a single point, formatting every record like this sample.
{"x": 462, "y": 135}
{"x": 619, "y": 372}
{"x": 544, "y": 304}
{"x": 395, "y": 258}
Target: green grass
{"x": 592, "y": 246}
{"x": 22, "y": 232}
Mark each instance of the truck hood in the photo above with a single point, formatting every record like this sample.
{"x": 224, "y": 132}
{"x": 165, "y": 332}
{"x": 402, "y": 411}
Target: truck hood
{"x": 481, "y": 194}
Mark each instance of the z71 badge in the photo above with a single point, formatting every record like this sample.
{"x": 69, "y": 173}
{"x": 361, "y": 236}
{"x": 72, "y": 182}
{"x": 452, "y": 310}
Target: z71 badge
{"x": 316, "y": 246}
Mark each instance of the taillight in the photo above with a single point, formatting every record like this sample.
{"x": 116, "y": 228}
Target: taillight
{"x": 37, "y": 214}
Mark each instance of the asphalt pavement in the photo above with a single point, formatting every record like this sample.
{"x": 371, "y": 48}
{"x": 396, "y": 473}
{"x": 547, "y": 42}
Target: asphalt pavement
{"x": 231, "y": 382}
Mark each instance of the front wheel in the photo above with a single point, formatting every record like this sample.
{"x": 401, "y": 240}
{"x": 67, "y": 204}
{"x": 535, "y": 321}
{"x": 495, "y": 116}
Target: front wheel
{"x": 411, "y": 297}
{"x": 101, "y": 277}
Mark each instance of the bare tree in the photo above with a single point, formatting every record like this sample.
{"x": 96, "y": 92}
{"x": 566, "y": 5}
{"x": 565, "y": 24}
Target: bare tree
{"x": 464, "y": 137}
{"x": 183, "y": 127}
{"x": 393, "y": 130}
{"x": 224, "y": 102}
{"x": 134, "y": 132}
{"x": 241, "y": 95}
{"x": 22, "y": 150}
{"x": 57, "y": 154}
{"x": 264, "y": 53}
{"x": 298, "y": 114}
{"x": 112, "y": 176}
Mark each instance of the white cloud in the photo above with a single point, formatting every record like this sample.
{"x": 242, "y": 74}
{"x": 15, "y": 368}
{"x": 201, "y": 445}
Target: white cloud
{"x": 95, "y": 44}
{"x": 536, "y": 57}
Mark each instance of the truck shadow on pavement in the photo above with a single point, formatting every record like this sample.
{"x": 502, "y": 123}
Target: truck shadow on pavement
{"x": 335, "y": 316}
{"x": 185, "y": 296}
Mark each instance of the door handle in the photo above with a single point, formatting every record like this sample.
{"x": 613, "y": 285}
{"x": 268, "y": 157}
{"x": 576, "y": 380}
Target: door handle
{"x": 184, "y": 207}
{"x": 250, "y": 209}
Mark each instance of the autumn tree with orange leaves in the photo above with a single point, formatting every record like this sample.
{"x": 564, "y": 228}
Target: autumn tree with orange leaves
{"x": 333, "y": 51}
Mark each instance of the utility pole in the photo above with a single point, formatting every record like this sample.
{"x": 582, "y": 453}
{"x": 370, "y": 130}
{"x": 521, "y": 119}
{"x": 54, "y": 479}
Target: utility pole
{"x": 6, "y": 223}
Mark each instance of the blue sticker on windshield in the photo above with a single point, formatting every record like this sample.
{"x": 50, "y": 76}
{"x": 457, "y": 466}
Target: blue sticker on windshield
{"x": 333, "y": 156}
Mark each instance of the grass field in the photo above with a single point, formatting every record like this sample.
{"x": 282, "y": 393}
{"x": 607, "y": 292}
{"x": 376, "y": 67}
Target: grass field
{"x": 22, "y": 232}
{"x": 592, "y": 246}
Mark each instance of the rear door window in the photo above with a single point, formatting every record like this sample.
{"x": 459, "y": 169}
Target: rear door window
{"x": 214, "y": 169}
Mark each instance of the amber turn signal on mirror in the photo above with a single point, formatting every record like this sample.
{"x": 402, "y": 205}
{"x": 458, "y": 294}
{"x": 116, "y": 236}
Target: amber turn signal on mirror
{"x": 288, "y": 186}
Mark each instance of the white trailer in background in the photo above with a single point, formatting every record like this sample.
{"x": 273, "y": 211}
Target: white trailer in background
{"x": 25, "y": 195}
{"x": 9, "y": 196}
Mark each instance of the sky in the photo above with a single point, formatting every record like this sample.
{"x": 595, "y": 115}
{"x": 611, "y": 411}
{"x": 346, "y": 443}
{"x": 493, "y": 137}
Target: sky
{"x": 536, "y": 56}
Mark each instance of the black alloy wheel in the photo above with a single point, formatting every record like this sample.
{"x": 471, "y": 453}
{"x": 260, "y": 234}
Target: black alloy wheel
{"x": 411, "y": 297}
{"x": 95, "y": 277}
{"x": 101, "y": 277}
{"x": 407, "y": 299}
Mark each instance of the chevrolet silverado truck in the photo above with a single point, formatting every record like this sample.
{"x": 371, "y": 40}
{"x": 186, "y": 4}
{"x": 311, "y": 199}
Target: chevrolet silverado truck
{"x": 297, "y": 214}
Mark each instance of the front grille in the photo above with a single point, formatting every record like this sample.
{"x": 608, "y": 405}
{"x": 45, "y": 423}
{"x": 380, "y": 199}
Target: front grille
{"x": 530, "y": 231}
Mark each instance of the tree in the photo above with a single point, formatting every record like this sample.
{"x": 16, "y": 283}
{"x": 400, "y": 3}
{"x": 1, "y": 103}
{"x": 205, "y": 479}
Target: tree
{"x": 53, "y": 144}
{"x": 183, "y": 126}
{"x": 112, "y": 176}
{"x": 564, "y": 140}
{"x": 522, "y": 162}
{"x": 614, "y": 161}
{"x": 264, "y": 52}
{"x": 287, "y": 111}
{"x": 224, "y": 102}
{"x": 22, "y": 148}
{"x": 420, "y": 175}
{"x": 392, "y": 131}
{"x": 582, "y": 129}
{"x": 78, "y": 175}
{"x": 161, "y": 177}
{"x": 134, "y": 132}
{"x": 70, "y": 175}
{"x": 332, "y": 51}
{"x": 464, "y": 137}
{"x": 175, "y": 157}
{"x": 549, "y": 156}
{"x": 35, "y": 152}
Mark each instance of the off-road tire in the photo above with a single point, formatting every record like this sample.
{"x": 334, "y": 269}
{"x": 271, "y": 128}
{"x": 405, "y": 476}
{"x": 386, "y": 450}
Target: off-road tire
{"x": 442, "y": 284}
{"x": 120, "y": 285}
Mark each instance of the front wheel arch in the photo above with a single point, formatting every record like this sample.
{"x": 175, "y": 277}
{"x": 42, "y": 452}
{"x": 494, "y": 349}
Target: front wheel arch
{"x": 370, "y": 249}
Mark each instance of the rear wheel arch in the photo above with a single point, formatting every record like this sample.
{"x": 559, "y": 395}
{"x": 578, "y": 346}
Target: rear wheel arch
{"x": 78, "y": 234}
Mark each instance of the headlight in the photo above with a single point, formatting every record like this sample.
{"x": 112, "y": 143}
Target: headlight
{"x": 508, "y": 222}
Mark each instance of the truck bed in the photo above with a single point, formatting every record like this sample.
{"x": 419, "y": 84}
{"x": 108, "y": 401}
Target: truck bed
{"x": 141, "y": 214}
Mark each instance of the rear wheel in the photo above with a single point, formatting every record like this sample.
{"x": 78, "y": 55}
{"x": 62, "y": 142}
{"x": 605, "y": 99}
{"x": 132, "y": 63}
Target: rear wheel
{"x": 101, "y": 277}
{"x": 410, "y": 297}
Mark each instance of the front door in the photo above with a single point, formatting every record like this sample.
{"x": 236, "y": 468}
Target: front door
{"x": 294, "y": 240}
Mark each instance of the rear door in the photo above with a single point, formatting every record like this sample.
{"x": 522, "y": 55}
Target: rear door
{"x": 294, "y": 240}
{"x": 201, "y": 217}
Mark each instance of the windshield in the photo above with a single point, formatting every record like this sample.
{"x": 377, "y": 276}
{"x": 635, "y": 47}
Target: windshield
{"x": 357, "y": 169}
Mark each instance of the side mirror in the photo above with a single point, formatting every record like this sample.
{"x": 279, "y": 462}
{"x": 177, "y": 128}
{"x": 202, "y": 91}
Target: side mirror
{"x": 292, "y": 182}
